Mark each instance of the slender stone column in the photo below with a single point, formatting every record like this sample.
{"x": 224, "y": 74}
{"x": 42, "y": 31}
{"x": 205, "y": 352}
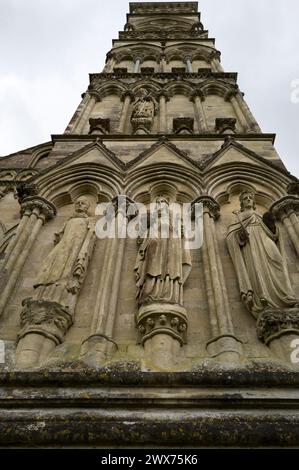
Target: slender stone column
{"x": 224, "y": 342}
{"x": 21, "y": 234}
{"x": 85, "y": 114}
{"x": 127, "y": 99}
{"x": 215, "y": 62}
{"x": 188, "y": 61}
{"x": 137, "y": 63}
{"x": 100, "y": 346}
{"x": 199, "y": 112}
{"x": 163, "y": 113}
{"x": 286, "y": 211}
{"x": 75, "y": 121}
{"x": 36, "y": 210}
{"x": 252, "y": 123}
{"x": 231, "y": 96}
{"x": 110, "y": 65}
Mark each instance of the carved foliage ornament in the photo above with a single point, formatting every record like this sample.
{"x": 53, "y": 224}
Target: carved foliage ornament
{"x": 47, "y": 318}
{"x": 274, "y": 323}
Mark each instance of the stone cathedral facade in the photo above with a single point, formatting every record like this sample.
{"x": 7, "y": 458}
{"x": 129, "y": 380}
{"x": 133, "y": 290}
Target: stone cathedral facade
{"x": 123, "y": 341}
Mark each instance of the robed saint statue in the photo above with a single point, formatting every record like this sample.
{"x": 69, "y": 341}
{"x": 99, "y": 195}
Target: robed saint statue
{"x": 64, "y": 268}
{"x": 163, "y": 263}
{"x": 256, "y": 249}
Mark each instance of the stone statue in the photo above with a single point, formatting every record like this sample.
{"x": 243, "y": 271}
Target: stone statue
{"x": 143, "y": 113}
{"x": 64, "y": 269}
{"x": 162, "y": 266}
{"x": 255, "y": 248}
{"x": 48, "y": 314}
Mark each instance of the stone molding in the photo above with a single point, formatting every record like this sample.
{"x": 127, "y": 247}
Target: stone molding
{"x": 160, "y": 35}
{"x": 137, "y": 8}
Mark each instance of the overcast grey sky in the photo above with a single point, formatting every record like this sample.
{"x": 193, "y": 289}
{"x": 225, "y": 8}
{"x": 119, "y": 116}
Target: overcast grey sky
{"x": 48, "y": 47}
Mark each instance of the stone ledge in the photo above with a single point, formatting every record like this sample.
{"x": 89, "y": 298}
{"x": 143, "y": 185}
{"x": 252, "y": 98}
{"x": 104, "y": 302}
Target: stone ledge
{"x": 119, "y": 427}
{"x": 254, "y": 374}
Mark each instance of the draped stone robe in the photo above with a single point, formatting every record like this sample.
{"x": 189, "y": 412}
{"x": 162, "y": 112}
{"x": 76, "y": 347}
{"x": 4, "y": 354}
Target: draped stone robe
{"x": 64, "y": 269}
{"x": 162, "y": 266}
{"x": 259, "y": 263}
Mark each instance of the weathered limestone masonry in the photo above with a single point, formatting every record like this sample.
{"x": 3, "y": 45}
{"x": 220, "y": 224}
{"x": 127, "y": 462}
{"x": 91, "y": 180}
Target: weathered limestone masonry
{"x": 120, "y": 341}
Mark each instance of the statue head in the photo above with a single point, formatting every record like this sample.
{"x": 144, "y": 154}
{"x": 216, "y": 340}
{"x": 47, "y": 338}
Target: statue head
{"x": 82, "y": 205}
{"x": 162, "y": 200}
{"x": 247, "y": 200}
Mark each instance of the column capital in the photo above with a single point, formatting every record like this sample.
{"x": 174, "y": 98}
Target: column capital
{"x": 45, "y": 208}
{"x": 273, "y": 324}
{"x": 138, "y": 57}
{"x": 214, "y": 55}
{"x": 232, "y": 93}
{"x": 110, "y": 55}
{"x": 210, "y": 205}
{"x": 163, "y": 93}
{"x": 284, "y": 206}
{"x": 121, "y": 203}
{"x": 46, "y": 318}
{"x": 25, "y": 190}
{"x": 163, "y": 319}
{"x": 197, "y": 94}
{"x": 93, "y": 93}
{"x": 128, "y": 94}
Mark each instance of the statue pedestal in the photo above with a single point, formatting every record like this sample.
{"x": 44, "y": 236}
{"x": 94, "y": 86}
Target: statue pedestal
{"x": 278, "y": 329}
{"x": 162, "y": 329}
{"x": 97, "y": 349}
{"x": 44, "y": 325}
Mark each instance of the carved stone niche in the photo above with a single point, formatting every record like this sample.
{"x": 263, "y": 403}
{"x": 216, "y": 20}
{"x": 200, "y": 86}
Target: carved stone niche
{"x": 143, "y": 113}
{"x": 183, "y": 125}
{"x": 99, "y": 126}
{"x": 225, "y": 125}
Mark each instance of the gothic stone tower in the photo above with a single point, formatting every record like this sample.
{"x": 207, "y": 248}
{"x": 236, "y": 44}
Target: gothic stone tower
{"x": 107, "y": 341}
